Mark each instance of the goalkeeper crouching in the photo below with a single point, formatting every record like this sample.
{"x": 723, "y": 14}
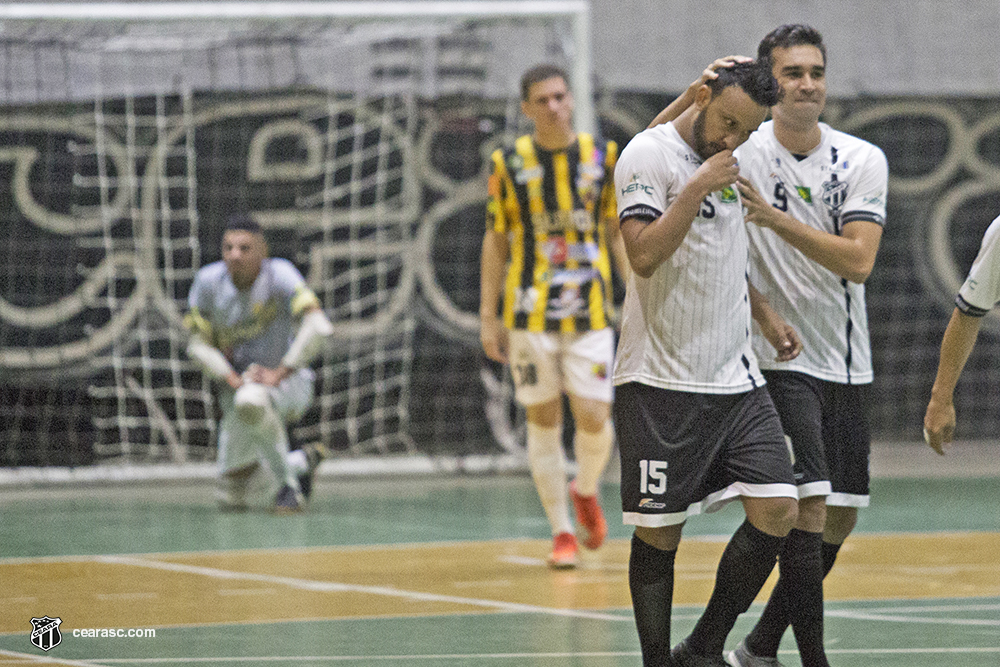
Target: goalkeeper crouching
{"x": 255, "y": 327}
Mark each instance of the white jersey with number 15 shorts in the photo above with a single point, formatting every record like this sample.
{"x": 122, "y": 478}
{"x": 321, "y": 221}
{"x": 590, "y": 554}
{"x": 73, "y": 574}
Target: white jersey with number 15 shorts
{"x": 687, "y": 326}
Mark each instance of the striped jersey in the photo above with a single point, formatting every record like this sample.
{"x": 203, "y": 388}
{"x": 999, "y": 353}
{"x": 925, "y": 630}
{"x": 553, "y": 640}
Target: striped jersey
{"x": 687, "y": 326}
{"x": 981, "y": 290}
{"x": 842, "y": 180}
{"x": 553, "y": 207}
{"x": 250, "y": 326}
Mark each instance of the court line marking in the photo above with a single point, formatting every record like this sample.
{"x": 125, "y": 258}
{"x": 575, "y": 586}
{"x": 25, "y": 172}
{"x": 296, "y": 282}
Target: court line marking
{"x": 859, "y": 615}
{"x": 32, "y": 658}
{"x": 337, "y": 587}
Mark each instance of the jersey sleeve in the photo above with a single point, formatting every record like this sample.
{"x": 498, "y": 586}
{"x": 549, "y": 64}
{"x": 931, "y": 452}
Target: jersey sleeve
{"x": 196, "y": 320}
{"x": 640, "y": 186}
{"x": 290, "y": 282}
{"x": 608, "y": 198}
{"x": 867, "y": 199}
{"x": 981, "y": 290}
{"x": 497, "y": 188}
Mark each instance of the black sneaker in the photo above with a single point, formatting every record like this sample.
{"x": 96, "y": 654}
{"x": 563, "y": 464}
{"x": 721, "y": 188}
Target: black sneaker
{"x": 315, "y": 453}
{"x": 288, "y": 501}
{"x": 742, "y": 657}
{"x": 683, "y": 657}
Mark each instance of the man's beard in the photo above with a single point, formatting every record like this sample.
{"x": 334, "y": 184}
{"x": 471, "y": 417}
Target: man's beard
{"x": 703, "y": 148}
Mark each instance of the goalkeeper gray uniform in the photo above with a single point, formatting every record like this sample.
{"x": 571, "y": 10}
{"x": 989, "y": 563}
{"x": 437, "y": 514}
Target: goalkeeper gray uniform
{"x": 255, "y": 326}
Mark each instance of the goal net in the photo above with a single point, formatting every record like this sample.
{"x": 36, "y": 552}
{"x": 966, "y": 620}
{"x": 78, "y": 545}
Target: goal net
{"x": 357, "y": 134}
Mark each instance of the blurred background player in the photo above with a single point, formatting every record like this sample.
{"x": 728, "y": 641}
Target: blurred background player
{"x": 695, "y": 426}
{"x": 551, "y": 231}
{"x": 978, "y": 295}
{"x": 242, "y": 318}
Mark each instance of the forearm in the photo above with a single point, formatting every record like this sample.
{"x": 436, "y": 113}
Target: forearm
{"x": 851, "y": 257}
{"x": 675, "y": 108}
{"x": 492, "y": 270}
{"x": 649, "y": 245}
{"x": 211, "y": 360}
{"x": 956, "y": 346}
{"x": 308, "y": 342}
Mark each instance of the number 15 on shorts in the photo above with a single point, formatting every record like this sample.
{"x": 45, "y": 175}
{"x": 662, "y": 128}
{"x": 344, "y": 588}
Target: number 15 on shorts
{"x": 652, "y": 477}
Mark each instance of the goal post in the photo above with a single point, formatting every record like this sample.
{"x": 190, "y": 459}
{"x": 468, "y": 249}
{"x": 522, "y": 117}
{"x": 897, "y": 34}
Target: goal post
{"x": 357, "y": 133}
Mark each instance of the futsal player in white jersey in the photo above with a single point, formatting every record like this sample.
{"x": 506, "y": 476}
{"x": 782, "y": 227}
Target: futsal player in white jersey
{"x": 977, "y": 296}
{"x": 816, "y": 201}
{"x": 695, "y": 425}
{"x": 255, "y": 327}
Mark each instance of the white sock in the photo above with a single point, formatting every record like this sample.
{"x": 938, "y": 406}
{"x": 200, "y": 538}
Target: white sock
{"x": 297, "y": 462}
{"x": 592, "y": 452}
{"x": 548, "y": 468}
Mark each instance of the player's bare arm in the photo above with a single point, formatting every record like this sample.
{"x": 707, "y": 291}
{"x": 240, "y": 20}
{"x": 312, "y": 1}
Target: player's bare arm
{"x": 850, "y": 255}
{"x": 686, "y": 99}
{"x": 613, "y": 237}
{"x": 493, "y": 267}
{"x": 779, "y": 333}
{"x": 956, "y": 346}
{"x": 649, "y": 245}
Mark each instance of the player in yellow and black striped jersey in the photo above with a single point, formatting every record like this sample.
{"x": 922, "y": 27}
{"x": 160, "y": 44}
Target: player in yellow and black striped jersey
{"x": 554, "y": 207}
{"x": 552, "y": 229}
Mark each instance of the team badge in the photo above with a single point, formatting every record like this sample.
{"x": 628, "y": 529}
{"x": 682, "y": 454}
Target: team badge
{"x": 834, "y": 194}
{"x": 45, "y": 632}
{"x": 600, "y": 371}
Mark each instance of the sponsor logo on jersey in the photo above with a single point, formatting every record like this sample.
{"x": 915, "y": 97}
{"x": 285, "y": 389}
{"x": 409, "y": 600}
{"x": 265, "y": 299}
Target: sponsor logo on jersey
{"x": 650, "y": 504}
{"x": 524, "y": 175}
{"x": 728, "y": 195}
{"x": 45, "y": 632}
{"x": 805, "y": 193}
{"x": 635, "y": 185}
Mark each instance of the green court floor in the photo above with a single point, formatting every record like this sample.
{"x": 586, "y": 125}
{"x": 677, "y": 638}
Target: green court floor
{"x": 296, "y": 588}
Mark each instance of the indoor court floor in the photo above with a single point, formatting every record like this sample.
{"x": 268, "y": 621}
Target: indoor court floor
{"x": 442, "y": 571}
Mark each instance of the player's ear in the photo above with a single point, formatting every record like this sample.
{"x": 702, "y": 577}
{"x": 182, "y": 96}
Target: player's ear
{"x": 702, "y": 96}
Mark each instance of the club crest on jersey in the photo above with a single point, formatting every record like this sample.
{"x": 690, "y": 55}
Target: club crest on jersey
{"x": 834, "y": 194}
{"x": 45, "y": 632}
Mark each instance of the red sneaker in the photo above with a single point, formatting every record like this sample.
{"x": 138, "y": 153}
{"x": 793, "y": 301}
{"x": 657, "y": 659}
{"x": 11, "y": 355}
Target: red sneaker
{"x": 592, "y": 526}
{"x": 564, "y": 550}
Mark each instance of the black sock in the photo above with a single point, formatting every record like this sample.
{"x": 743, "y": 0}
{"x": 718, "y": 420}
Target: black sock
{"x": 744, "y": 567}
{"x": 651, "y": 582}
{"x": 801, "y": 563}
{"x": 829, "y": 556}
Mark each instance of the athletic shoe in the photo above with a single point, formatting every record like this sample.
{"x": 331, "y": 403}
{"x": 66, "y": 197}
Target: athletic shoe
{"x": 315, "y": 453}
{"x": 683, "y": 657}
{"x": 288, "y": 501}
{"x": 564, "y": 550}
{"x": 742, "y": 657}
{"x": 590, "y": 520}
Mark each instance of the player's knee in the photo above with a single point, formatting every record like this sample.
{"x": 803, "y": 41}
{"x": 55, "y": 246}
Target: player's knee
{"x": 812, "y": 514}
{"x": 775, "y": 516}
{"x": 251, "y": 403}
{"x": 840, "y": 521}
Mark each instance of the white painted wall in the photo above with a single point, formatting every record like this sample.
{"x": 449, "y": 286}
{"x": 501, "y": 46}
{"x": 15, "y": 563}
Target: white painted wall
{"x": 894, "y": 47}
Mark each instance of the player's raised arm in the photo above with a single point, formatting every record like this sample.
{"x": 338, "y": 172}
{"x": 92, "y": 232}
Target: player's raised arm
{"x": 685, "y": 99}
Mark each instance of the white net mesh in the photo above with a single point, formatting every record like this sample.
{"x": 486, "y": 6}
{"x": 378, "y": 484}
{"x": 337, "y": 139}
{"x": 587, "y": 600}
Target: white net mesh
{"x": 358, "y": 144}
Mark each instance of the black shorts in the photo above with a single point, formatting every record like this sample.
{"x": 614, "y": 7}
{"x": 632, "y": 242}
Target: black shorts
{"x": 827, "y": 424}
{"x": 684, "y": 453}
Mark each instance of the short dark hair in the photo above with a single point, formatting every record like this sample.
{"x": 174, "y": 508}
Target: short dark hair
{"x": 540, "y": 73}
{"x": 789, "y": 35}
{"x": 754, "y": 78}
{"x": 243, "y": 222}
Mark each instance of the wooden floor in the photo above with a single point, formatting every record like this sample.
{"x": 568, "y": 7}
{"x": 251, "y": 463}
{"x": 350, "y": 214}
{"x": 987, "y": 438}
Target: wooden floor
{"x": 451, "y": 571}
